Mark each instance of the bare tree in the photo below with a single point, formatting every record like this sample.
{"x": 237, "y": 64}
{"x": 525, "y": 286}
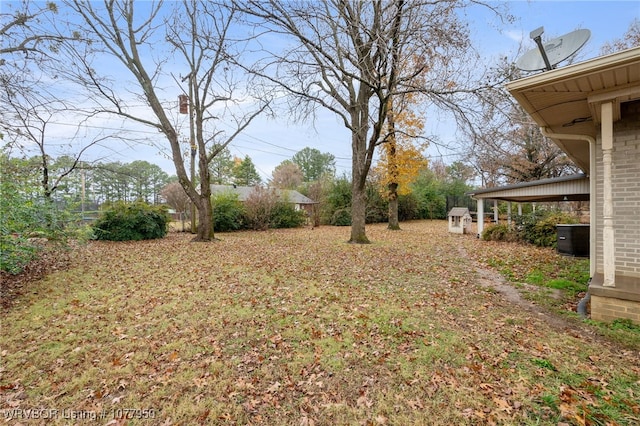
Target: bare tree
{"x": 29, "y": 112}
{"x": 20, "y": 32}
{"x": 175, "y": 196}
{"x": 30, "y": 97}
{"x": 345, "y": 58}
{"x": 631, "y": 38}
{"x": 287, "y": 175}
{"x": 198, "y": 33}
{"x": 506, "y": 146}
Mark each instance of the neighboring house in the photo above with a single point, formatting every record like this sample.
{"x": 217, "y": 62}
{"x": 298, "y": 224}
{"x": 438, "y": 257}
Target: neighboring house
{"x": 591, "y": 110}
{"x": 290, "y": 196}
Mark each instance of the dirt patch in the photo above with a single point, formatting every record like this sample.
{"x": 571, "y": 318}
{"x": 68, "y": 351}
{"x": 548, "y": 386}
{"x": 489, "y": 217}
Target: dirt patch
{"x": 491, "y": 279}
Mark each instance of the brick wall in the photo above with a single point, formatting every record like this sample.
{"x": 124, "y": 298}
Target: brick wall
{"x": 609, "y": 309}
{"x": 626, "y": 192}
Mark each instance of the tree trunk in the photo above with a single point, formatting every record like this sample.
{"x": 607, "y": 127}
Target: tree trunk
{"x": 360, "y": 168}
{"x": 205, "y": 221}
{"x": 394, "y": 223}
{"x": 358, "y": 213}
{"x": 392, "y": 169}
{"x": 205, "y": 205}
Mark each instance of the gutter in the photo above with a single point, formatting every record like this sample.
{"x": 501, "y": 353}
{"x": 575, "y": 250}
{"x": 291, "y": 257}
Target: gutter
{"x": 592, "y": 203}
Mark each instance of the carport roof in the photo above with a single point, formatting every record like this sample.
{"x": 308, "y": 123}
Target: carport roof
{"x": 564, "y": 188}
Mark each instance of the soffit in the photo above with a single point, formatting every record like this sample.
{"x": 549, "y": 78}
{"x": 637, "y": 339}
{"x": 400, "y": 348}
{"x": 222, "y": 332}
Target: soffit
{"x": 566, "y": 100}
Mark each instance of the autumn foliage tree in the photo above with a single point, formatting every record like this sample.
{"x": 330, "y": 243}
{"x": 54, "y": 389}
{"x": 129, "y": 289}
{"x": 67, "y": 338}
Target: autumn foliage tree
{"x": 400, "y": 158}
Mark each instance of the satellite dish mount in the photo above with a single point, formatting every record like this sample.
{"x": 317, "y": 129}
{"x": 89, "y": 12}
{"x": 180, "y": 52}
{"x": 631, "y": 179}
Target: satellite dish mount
{"x": 536, "y": 35}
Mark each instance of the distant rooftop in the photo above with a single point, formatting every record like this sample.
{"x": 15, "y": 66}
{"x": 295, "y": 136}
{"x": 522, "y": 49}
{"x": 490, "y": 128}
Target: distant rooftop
{"x": 244, "y": 191}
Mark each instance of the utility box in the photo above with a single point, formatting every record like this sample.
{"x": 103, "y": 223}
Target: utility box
{"x": 573, "y": 240}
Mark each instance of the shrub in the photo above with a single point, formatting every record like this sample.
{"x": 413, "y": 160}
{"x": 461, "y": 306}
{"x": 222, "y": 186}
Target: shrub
{"x": 408, "y": 207}
{"x": 284, "y": 215}
{"x": 377, "y": 210}
{"x": 135, "y": 221}
{"x": 258, "y": 208}
{"x": 539, "y": 228}
{"x": 22, "y": 218}
{"x": 228, "y": 212}
{"x": 499, "y": 232}
{"x": 16, "y": 252}
{"x": 17, "y": 214}
{"x": 341, "y": 217}
{"x": 338, "y": 198}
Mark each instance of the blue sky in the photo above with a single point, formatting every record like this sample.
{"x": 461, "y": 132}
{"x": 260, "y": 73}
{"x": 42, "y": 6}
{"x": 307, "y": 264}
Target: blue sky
{"x": 607, "y": 20}
{"x": 269, "y": 142}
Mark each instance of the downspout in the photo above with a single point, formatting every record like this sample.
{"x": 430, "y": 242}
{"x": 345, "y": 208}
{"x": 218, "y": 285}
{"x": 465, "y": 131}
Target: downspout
{"x": 582, "y": 308}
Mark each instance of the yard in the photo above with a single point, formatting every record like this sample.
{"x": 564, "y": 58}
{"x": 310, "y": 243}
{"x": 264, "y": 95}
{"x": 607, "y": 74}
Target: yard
{"x": 297, "y": 327}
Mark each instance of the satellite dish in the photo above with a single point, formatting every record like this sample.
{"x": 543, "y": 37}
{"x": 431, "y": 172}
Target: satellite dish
{"x": 549, "y": 54}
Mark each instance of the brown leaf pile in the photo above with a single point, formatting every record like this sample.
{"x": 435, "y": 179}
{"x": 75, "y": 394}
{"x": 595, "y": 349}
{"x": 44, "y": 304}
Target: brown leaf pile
{"x": 297, "y": 327}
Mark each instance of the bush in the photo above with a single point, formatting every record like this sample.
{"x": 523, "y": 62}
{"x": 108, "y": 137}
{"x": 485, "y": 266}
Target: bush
{"x": 17, "y": 214}
{"x": 25, "y": 217}
{"x": 228, "y": 212}
{"x": 15, "y": 253}
{"x": 132, "y": 222}
{"x": 539, "y": 228}
{"x": 284, "y": 215}
{"x": 408, "y": 208}
{"x": 338, "y": 198}
{"x": 341, "y": 217}
{"x": 499, "y": 232}
{"x": 377, "y": 210}
{"x": 258, "y": 208}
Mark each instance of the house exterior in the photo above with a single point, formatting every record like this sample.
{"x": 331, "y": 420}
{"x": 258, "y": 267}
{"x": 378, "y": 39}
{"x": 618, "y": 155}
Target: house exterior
{"x": 460, "y": 220}
{"x": 591, "y": 110}
{"x": 300, "y": 201}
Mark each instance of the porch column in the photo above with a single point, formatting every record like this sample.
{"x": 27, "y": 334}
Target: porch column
{"x": 495, "y": 211}
{"x": 480, "y": 216}
{"x": 519, "y": 209}
{"x": 608, "y": 236}
{"x": 509, "y": 213}
{"x": 593, "y": 235}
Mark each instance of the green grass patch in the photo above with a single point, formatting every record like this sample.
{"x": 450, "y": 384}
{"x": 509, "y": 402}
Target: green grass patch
{"x": 621, "y": 331}
{"x": 298, "y": 327}
{"x": 566, "y": 285}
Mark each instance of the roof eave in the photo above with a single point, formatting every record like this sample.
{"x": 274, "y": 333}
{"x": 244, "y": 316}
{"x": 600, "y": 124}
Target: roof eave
{"x": 575, "y": 70}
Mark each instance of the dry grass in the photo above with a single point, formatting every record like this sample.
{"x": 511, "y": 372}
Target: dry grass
{"x": 296, "y": 327}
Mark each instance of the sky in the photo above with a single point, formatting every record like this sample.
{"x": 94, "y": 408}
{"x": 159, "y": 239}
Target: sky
{"x": 269, "y": 141}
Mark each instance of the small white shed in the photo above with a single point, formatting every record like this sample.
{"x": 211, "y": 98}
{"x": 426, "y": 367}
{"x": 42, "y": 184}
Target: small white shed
{"x": 460, "y": 220}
